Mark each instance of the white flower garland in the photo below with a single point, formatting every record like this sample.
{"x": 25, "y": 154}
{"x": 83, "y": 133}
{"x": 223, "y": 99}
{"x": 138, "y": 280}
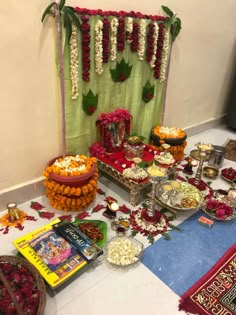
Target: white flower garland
{"x": 98, "y": 47}
{"x": 165, "y": 54}
{"x": 114, "y": 26}
{"x": 155, "y": 37}
{"x": 142, "y": 38}
{"x": 74, "y": 63}
{"x": 129, "y": 29}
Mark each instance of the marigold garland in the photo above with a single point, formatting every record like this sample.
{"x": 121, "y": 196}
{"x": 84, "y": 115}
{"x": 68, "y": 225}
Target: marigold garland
{"x": 82, "y": 162}
{"x": 177, "y": 150}
{"x": 63, "y": 197}
{"x": 173, "y": 132}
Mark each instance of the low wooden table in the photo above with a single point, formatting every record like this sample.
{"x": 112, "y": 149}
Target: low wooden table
{"x": 135, "y": 188}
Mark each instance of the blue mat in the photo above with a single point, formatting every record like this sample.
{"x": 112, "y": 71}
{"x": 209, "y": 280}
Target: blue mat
{"x": 184, "y": 259}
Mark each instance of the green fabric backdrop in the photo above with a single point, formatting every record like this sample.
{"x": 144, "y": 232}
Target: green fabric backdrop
{"x": 81, "y": 131}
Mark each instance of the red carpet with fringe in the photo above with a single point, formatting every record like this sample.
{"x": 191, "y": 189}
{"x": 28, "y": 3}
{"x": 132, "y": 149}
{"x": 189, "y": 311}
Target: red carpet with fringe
{"x": 215, "y": 292}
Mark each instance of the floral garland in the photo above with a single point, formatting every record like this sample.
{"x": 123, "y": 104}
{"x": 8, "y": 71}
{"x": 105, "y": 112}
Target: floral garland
{"x": 121, "y": 14}
{"x": 135, "y": 38}
{"x": 70, "y": 166}
{"x": 74, "y": 64}
{"x": 165, "y": 54}
{"x": 121, "y": 34}
{"x": 99, "y": 46}
{"x": 129, "y": 29}
{"x": 85, "y": 28}
{"x": 157, "y": 67}
{"x": 152, "y": 39}
{"x": 114, "y": 26}
{"x": 142, "y": 38}
{"x": 63, "y": 197}
{"x": 106, "y": 40}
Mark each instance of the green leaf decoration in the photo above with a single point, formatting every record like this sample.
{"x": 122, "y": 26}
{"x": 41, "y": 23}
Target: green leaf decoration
{"x": 174, "y": 227}
{"x": 167, "y": 11}
{"x": 47, "y": 10}
{"x": 74, "y": 16}
{"x": 133, "y": 233}
{"x": 150, "y": 239}
{"x": 68, "y": 27}
{"x": 148, "y": 92}
{"x": 61, "y": 5}
{"x": 121, "y": 72}
{"x": 166, "y": 236}
{"x": 90, "y": 103}
{"x": 174, "y": 23}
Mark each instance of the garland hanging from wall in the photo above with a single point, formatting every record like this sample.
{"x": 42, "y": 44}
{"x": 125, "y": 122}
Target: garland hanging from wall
{"x": 109, "y": 60}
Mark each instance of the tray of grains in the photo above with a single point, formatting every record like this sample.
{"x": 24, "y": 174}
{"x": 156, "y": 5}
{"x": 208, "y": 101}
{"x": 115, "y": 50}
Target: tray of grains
{"x": 179, "y": 195}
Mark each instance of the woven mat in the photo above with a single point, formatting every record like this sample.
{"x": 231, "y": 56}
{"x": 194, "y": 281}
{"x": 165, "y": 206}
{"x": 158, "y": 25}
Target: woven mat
{"x": 230, "y": 146}
{"x": 215, "y": 292}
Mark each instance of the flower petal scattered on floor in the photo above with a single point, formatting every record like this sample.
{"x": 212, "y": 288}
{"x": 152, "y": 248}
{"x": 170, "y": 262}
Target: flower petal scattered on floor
{"x": 98, "y": 208}
{"x": 36, "y": 205}
{"x": 46, "y": 215}
{"x": 82, "y": 215}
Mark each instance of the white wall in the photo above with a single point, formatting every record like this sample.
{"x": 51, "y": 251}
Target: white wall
{"x": 30, "y": 124}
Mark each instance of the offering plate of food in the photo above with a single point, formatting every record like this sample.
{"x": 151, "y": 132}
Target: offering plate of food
{"x": 228, "y": 174}
{"x": 179, "y": 195}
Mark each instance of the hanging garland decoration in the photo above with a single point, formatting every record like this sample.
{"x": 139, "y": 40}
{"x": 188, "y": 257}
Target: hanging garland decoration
{"x": 135, "y": 38}
{"x": 121, "y": 72}
{"x": 74, "y": 63}
{"x": 129, "y": 30}
{"x": 106, "y": 40}
{"x": 121, "y": 34}
{"x": 85, "y": 30}
{"x": 152, "y": 39}
{"x": 157, "y": 68}
{"x": 98, "y": 46}
{"x": 114, "y": 26}
{"x": 142, "y": 38}
{"x": 148, "y": 92}
{"x": 165, "y": 54}
{"x": 90, "y": 103}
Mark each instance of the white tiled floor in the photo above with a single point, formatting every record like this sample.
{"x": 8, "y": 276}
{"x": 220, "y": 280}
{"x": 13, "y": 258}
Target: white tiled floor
{"x": 101, "y": 289}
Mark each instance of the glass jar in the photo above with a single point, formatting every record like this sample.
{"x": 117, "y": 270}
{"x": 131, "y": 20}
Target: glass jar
{"x": 133, "y": 148}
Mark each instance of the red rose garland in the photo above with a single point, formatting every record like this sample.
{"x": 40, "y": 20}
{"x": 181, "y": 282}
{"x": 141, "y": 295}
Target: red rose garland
{"x": 134, "y": 37}
{"x": 121, "y": 35}
{"x": 150, "y": 42}
{"x": 85, "y": 29}
{"x": 106, "y": 40}
{"x": 157, "y": 67}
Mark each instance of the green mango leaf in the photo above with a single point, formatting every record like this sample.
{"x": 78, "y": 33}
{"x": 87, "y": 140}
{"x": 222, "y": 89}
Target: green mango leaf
{"x": 175, "y": 28}
{"x": 133, "y": 233}
{"x": 167, "y": 11}
{"x": 90, "y": 102}
{"x": 47, "y": 10}
{"x": 166, "y": 236}
{"x": 173, "y": 227}
{"x": 68, "y": 27}
{"x": 150, "y": 239}
{"x": 74, "y": 17}
{"x": 61, "y": 5}
{"x": 148, "y": 92}
{"x": 121, "y": 72}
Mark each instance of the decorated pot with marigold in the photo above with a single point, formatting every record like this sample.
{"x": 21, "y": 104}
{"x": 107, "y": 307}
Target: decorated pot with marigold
{"x": 71, "y": 182}
{"x": 170, "y": 139}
